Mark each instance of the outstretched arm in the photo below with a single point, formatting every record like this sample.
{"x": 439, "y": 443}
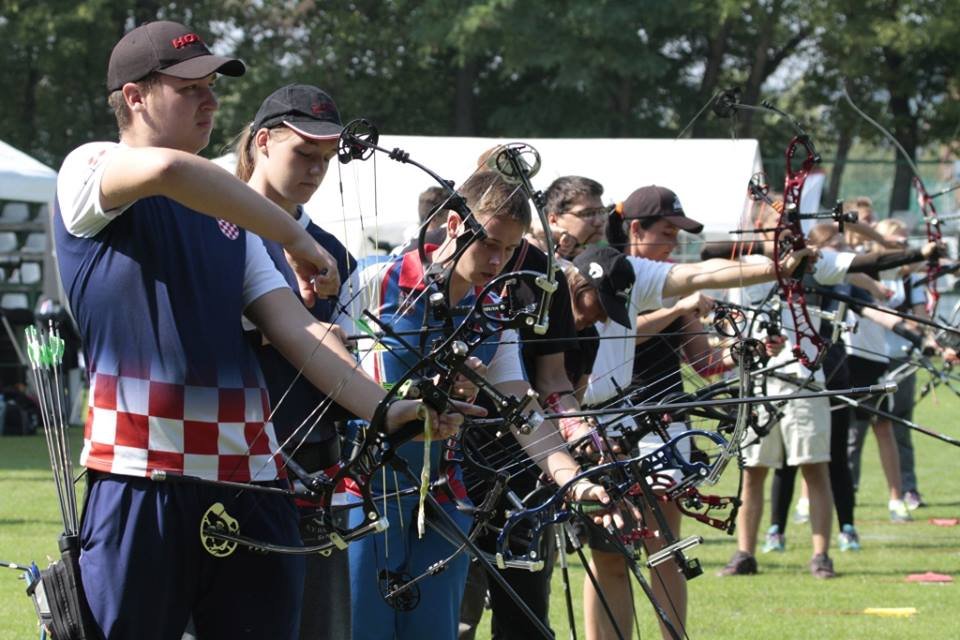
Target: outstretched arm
{"x": 132, "y": 173}
{"x": 719, "y": 273}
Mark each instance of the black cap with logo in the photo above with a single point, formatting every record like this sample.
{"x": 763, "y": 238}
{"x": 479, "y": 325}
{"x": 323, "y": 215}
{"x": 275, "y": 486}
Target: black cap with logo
{"x": 169, "y": 48}
{"x": 612, "y": 274}
{"x": 303, "y": 108}
{"x": 658, "y": 202}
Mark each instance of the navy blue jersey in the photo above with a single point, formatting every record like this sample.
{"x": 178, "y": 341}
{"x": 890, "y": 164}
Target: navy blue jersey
{"x": 158, "y": 291}
{"x": 297, "y": 417}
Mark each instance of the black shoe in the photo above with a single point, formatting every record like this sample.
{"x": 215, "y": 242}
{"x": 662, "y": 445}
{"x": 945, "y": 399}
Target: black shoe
{"x": 821, "y": 566}
{"x": 741, "y": 564}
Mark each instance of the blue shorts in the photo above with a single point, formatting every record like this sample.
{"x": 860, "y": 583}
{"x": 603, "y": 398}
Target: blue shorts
{"x": 438, "y": 614}
{"x": 145, "y": 571}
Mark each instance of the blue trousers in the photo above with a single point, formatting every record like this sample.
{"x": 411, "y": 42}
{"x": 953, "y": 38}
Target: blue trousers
{"x": 398, "y": 549}
{"x": 145, "y": 572}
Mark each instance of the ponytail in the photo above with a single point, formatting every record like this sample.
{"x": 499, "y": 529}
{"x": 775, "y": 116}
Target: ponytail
{"x": 616, "y": 234}
{"x": 246, "y": 154}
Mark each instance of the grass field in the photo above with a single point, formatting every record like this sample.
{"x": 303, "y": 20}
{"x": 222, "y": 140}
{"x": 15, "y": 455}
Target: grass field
{"x": 782, "y": 602}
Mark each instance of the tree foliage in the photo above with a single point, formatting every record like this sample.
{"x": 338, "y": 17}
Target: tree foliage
{"x": 557, "y": 68}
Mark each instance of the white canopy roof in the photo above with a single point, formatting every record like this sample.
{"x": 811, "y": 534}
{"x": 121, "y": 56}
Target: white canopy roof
{"x": 24, "y": 179}
{"x": 709, "y": 176}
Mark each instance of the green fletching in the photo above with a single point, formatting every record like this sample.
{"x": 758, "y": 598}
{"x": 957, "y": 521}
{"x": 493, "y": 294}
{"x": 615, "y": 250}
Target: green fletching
{"x": 33, "y": 346}
{"x": 364, "y": 326}
{"x": 46, "y": 357}
{"x": 57, "y": 346}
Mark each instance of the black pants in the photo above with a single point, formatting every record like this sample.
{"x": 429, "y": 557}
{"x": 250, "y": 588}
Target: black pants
{"x": 508, "y": 621}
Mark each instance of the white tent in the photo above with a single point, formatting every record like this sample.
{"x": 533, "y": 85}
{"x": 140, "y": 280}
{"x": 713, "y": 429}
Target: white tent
{"x": 709, "y": 176}
{"x": 23, "y": 179}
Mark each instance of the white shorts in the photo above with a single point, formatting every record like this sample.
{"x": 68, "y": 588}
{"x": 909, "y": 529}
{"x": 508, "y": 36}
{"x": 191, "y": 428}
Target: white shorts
{"x": 803, "y": 434}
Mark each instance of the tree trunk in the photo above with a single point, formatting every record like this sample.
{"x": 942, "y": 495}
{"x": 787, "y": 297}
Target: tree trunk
{"x": 464, "y": 101}
{"x": 905, "y": 131}
{"x": 844, "y": 143}
{"x": 758, "y": 69}
{"x": 711, "y": 73}
{"x": 145, "y": 11}
{"x": 622, "y": 125}
{"x": 28, "y": 116}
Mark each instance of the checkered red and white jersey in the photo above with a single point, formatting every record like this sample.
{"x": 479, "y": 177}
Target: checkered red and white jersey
{"x": 158, "y": 292}
{"x": 137, "y": 425}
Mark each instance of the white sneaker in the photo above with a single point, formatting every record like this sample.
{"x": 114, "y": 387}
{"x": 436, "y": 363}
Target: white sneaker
{"x": 898, "y": 511}
{"x": 801, "y": 512}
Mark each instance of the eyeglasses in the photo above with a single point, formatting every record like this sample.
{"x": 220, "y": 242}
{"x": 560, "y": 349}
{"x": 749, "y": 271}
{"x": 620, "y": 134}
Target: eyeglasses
{"x": 586, "y": 214}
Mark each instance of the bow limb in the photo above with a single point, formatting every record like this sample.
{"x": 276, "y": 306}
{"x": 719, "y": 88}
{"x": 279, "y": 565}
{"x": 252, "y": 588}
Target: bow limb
{"x": 788, "y": 234}
{"x": 924, "y": 201}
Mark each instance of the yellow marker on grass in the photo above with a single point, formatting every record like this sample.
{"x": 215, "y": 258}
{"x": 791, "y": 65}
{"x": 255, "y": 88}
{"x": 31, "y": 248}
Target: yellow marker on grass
{"x": 891, "y": 612}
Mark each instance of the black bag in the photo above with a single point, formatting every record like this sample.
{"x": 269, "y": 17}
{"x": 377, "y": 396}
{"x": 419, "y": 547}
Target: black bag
{"x": 67, "y": 615}
{"x": 19, "y": 416}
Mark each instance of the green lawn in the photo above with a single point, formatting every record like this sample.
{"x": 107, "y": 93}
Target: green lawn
{"x": 784, "y": 601}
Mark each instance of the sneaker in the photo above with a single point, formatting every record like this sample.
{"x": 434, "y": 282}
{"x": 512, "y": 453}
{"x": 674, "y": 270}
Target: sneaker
{"x": 821, "y": 566}
{"x": 775, "y": 541}
{"x": 913, "y": 500}
{"x": 898, "y": 511}
{"x": 848, "y": 540}
{"x": 801, "y": 513}
{"x": 741, "y": 564}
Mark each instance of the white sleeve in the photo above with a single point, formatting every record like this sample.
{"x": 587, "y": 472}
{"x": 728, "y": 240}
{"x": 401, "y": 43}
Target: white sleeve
{"x": 613, "y": 365}
{"x": 260, "y": 275}
{"x": 505, "y": 365}
{"x": 78, "y": 189}
{"x": 651, "y": 276}
{"x": 832, "y": 267}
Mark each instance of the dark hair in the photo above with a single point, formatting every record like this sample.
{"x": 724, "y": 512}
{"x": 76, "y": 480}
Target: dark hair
{"x": 431, "y": 200}
{"x": 565, "y": 190}
{"x": 119, "y": 104}
{"x": 618, "y": 227}
{"x": 487, "y": 193}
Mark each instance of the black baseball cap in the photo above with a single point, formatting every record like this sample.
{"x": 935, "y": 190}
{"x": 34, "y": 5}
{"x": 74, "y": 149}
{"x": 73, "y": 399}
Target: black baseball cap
{"x": 657, "y": 202}
{"x": 167, "y": 47}
{"x": 303, "y": 108}
{"x": 612, "y": 274}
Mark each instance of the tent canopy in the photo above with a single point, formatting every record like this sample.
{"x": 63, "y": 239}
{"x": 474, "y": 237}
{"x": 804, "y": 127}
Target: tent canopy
{"x": 24, "y": 179}
{"x": 380, "y": 196}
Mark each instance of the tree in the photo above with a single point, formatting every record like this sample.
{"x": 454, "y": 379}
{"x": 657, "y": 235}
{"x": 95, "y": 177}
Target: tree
{"x": 896, "y": 58}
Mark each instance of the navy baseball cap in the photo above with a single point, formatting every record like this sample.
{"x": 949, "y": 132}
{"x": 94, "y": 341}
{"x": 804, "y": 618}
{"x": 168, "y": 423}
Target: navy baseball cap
{"x": 304, "y": 108}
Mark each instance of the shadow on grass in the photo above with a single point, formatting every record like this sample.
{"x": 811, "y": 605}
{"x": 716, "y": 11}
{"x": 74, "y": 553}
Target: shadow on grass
{"x": 719, "y": 542}
{"x": 790, "y": 569}
{"x": 23, "y": 521}
{"x": 30, "y": 452}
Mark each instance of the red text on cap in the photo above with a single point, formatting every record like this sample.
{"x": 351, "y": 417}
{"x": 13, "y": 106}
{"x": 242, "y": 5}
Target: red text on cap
{"x": 188, "y": 38}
